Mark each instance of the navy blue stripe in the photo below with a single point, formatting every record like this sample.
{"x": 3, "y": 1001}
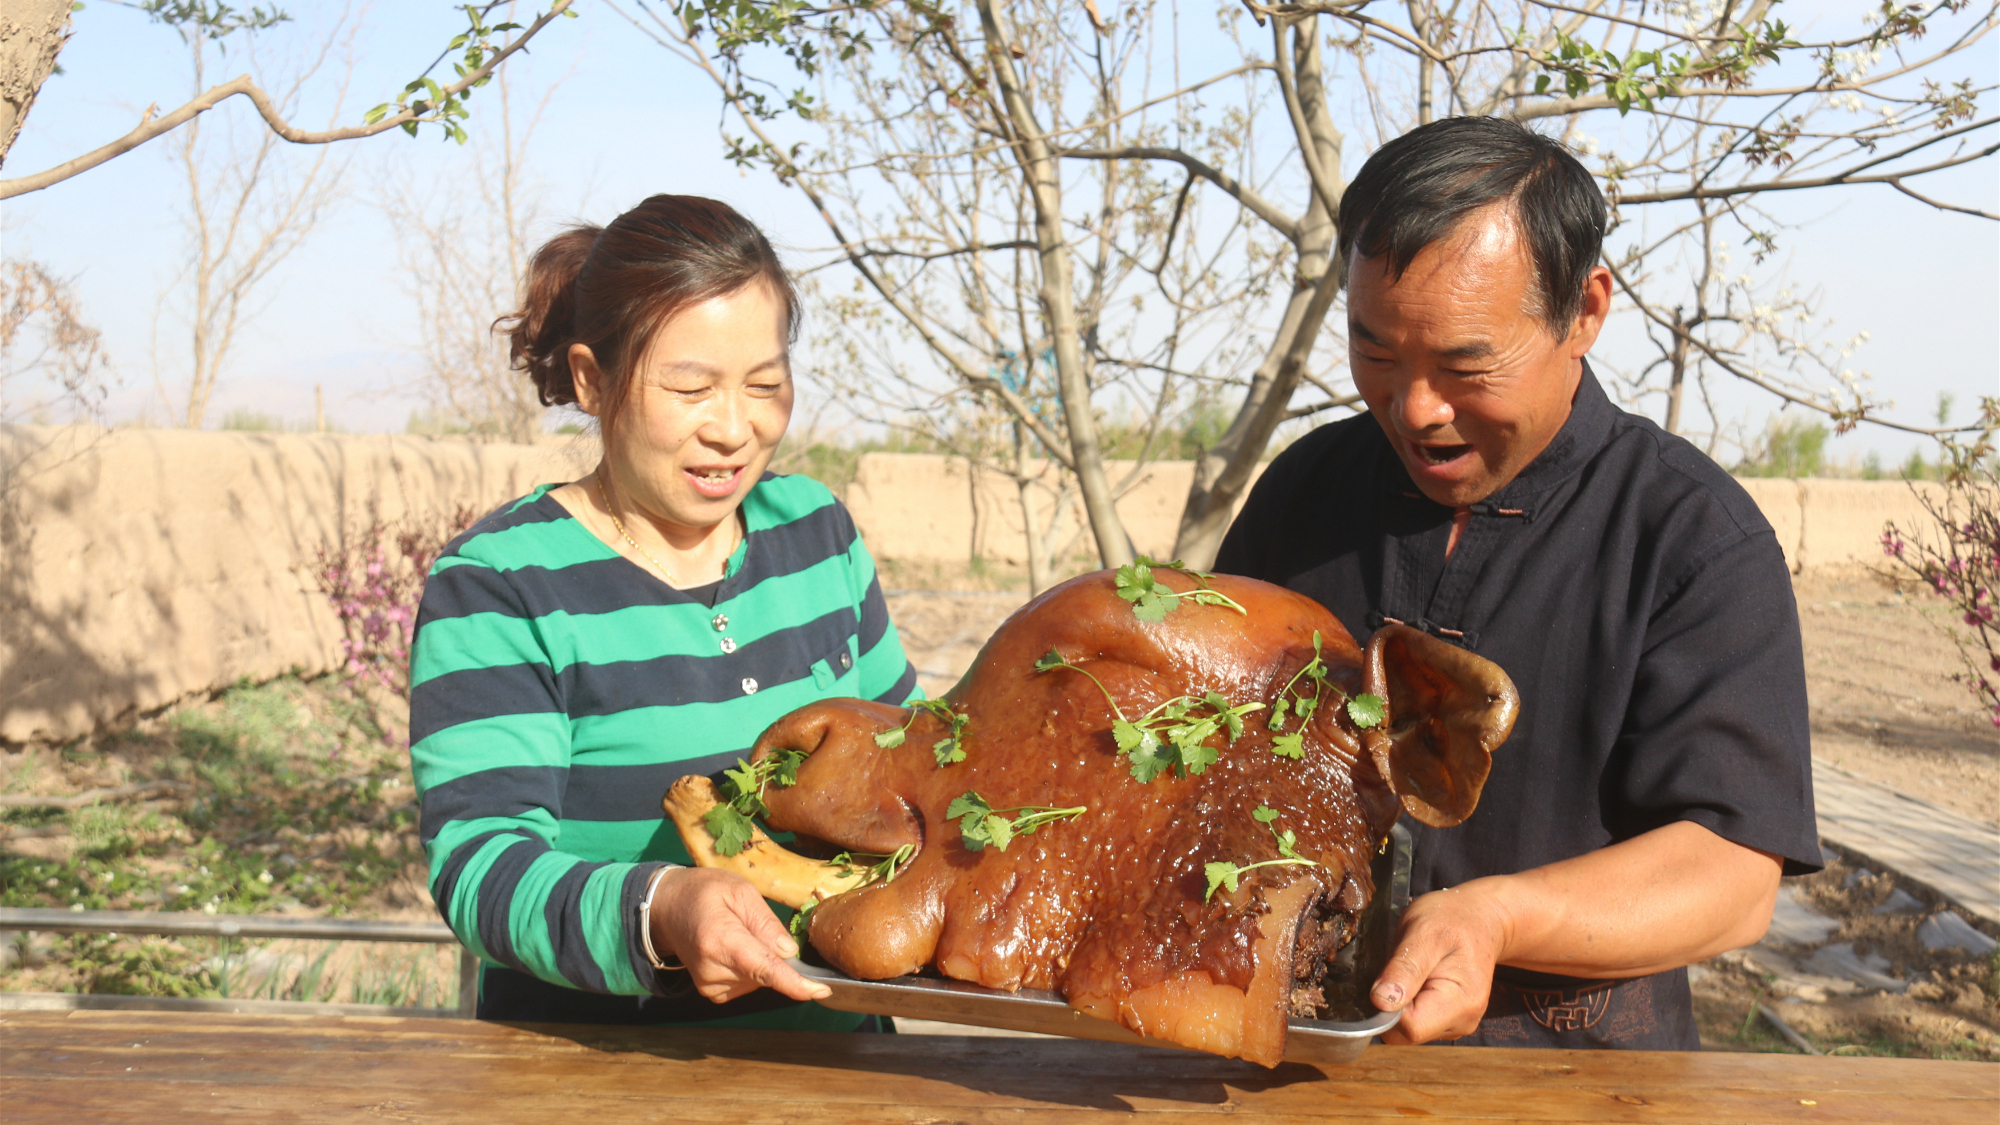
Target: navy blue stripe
{"x": 480, "y": 693}
{"x": 563, "y": 915}
{"x": 671, "y": 681}
{"x": 496, "y": 898}
{"x": 905, "y": 684}
{"x": 635, "y": 792}
{"x": 466, "y": 589}
{"x": 545, "y": 509}
{"x": 454, "y": 865}
{"x": 874, "y": 616}
{"x": 652, "y": 980}
{"x": 504, "y": 791}
{"x": 624, "y": 792}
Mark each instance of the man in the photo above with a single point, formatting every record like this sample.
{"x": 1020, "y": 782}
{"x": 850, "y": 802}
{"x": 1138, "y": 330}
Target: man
{"x": 1658, "y": 781}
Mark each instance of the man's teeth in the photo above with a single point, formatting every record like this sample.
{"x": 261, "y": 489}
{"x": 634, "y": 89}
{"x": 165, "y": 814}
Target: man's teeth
{"x": 1438, "y": 455}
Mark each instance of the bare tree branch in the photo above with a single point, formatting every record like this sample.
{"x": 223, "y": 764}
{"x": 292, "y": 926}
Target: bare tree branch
{"x": 150, "y": 127}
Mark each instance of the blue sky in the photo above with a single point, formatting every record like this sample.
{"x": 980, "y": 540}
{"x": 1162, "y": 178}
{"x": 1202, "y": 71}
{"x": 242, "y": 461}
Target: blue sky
{"x": 629, "y": 120}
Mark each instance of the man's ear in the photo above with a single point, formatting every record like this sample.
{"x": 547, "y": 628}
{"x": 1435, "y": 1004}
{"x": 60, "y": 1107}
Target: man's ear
{"x": 1448, "y": 710}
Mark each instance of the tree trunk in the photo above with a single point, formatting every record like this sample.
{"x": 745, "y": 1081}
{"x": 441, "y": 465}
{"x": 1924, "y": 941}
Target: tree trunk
{"x": 1058, "y": 299}
{"x": 1222, "y": 474}
{"x": 31, "y": 33}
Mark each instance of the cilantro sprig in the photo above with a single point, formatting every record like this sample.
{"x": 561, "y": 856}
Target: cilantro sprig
{"x": 1173, "y": 735}
{"x": 980, "y": 824}
{"x": 1152, "y": 601}
{"x": 1225, "y": 874}
{"x": 884, "y": 870}
{"x": 743, "y": 797}
{"x": 950, "y": 748}
{"x": 1366, "y": 709}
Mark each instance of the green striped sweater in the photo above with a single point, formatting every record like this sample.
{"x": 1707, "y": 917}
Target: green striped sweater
{"x": 557, "y": 689}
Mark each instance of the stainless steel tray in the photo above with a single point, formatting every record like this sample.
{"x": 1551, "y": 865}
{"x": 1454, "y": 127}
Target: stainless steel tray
{"x": 1037, "y": 1010}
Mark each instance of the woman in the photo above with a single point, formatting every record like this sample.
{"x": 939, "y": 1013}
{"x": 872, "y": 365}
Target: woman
{"x": 585, "y": 645}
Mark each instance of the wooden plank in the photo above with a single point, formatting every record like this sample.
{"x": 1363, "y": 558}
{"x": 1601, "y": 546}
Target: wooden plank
{"x": 70, "y": 1066}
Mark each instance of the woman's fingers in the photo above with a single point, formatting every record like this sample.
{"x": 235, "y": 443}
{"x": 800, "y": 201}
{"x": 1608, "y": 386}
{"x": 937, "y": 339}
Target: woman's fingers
{"x": 731, "y": 943}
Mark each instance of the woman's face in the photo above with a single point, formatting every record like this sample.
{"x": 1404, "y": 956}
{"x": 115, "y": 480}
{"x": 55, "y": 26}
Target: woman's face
{"x": 709, "y": 402}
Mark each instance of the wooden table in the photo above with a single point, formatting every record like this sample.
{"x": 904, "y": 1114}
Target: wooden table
{"x": 107, "y": 1066}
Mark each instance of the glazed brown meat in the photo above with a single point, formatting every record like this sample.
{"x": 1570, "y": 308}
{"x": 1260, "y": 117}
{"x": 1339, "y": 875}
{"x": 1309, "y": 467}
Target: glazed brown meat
{"x": 1110, "y": 906}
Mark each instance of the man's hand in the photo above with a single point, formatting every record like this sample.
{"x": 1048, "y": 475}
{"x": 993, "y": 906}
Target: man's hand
{"x": 718, "y": 926}
{"x": 1442, "y": 970}
{"x": 1668, "y": 898}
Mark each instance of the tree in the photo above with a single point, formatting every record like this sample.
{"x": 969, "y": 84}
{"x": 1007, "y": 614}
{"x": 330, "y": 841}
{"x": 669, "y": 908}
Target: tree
{"x": 43, "y": 29}
{"x": 248, "y": 209}
{"x": 464, "y": 248}
{"x": 52, "y": 362}
{"x": 921, "y": 114}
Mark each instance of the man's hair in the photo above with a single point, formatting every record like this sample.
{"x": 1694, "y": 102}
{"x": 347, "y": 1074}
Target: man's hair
{"x": 1414, "y": 190}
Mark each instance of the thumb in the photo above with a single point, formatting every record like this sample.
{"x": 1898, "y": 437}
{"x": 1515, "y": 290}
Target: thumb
{"x": 1404, "y": 976}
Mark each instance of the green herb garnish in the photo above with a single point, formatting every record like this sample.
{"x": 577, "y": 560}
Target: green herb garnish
{"x": 801, "y": 923}
{"x": 1152, "y": 601}
{"x": 948, "y": 749}
{"x": 1365, "y": 710}
{"x": 980, "y": 824}
{"x": 1225, "y": 874}
{"x": 743, "y": 797}
{"x": 1174, "y": 735}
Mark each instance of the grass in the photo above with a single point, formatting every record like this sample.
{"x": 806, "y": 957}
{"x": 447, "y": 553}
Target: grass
{"x": 296, "y": 800}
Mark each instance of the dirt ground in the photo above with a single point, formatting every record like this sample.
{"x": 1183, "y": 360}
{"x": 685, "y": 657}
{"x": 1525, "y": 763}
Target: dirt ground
{"x": 1884, "y": 708}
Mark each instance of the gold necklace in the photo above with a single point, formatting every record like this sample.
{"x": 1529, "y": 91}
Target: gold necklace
{"x": 647, "y": 555}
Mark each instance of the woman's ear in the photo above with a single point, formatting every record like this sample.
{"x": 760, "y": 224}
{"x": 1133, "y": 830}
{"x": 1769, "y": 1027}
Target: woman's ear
{"x": 587, "y": 378}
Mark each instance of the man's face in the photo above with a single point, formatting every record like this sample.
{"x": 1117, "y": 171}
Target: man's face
{"x": 1466, "y": 381}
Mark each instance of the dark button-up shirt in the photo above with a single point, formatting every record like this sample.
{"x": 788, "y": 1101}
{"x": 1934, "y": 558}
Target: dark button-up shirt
{"x": 1641, "y": 604}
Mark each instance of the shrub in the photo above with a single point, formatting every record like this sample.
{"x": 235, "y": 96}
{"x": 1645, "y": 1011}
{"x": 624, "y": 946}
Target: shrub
{"x": 1958, "y": 556}
{"x": 375, "y": 577}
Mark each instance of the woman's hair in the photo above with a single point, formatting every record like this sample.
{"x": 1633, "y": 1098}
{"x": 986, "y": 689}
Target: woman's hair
{"x": 611, "y": 287}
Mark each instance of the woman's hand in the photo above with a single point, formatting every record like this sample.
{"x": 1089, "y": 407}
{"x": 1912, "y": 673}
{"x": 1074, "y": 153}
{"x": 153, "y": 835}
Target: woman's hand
{"x": 718, "y": 926}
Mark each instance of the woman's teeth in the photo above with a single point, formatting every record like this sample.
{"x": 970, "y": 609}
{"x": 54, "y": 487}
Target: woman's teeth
{"x": 715, "y": 476}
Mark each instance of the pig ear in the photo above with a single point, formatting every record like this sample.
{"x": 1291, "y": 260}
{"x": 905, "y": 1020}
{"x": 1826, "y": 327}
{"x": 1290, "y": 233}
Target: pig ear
{"x": 1448, "y": 710}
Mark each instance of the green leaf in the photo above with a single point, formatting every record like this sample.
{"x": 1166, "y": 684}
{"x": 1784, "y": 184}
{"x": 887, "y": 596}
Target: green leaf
{"x": 1265, "y": 814}
{"x": 785, "y": 767}
{"x": 969, "y": 804}
{"x": 1127, "y": 735}
{"x": 1153, "y": 607}
{"x": 1367, "y": 710}
{"x": 1150, "y": 758}
{"x": 1288, "y": 844}
{"x": 1220, "y": 875}
{"x": 999, "y": 830}
{"x": 1051, "y": 659}
{"x": 1291, "y": 746}
{"x": 731, "y": 829}
{"x": 1276, "y": 719}
{"x": 948, "y": 750}
{"x": 379, "y": 112}
{"x": 801, "y": 923}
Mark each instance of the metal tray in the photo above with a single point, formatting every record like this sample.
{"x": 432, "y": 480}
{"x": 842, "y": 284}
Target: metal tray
{"x": 1038, "y": 1010}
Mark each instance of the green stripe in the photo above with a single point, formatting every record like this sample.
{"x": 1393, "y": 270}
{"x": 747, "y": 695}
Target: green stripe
{"x": 642, "y": 734}
{"x": 623, "y": 841}
{"x": 438, "y": 851}
{"x": 539, "y": 738}
{"x": 527, "y": 918}
{"x": 603, "y": 906}
{"x": 779, "y": 501}
{"x": 477, "y": 640}
{"x": 552, "y": 544}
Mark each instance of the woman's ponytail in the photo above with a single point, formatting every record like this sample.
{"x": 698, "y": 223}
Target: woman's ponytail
{"x": 539, "y": 335}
